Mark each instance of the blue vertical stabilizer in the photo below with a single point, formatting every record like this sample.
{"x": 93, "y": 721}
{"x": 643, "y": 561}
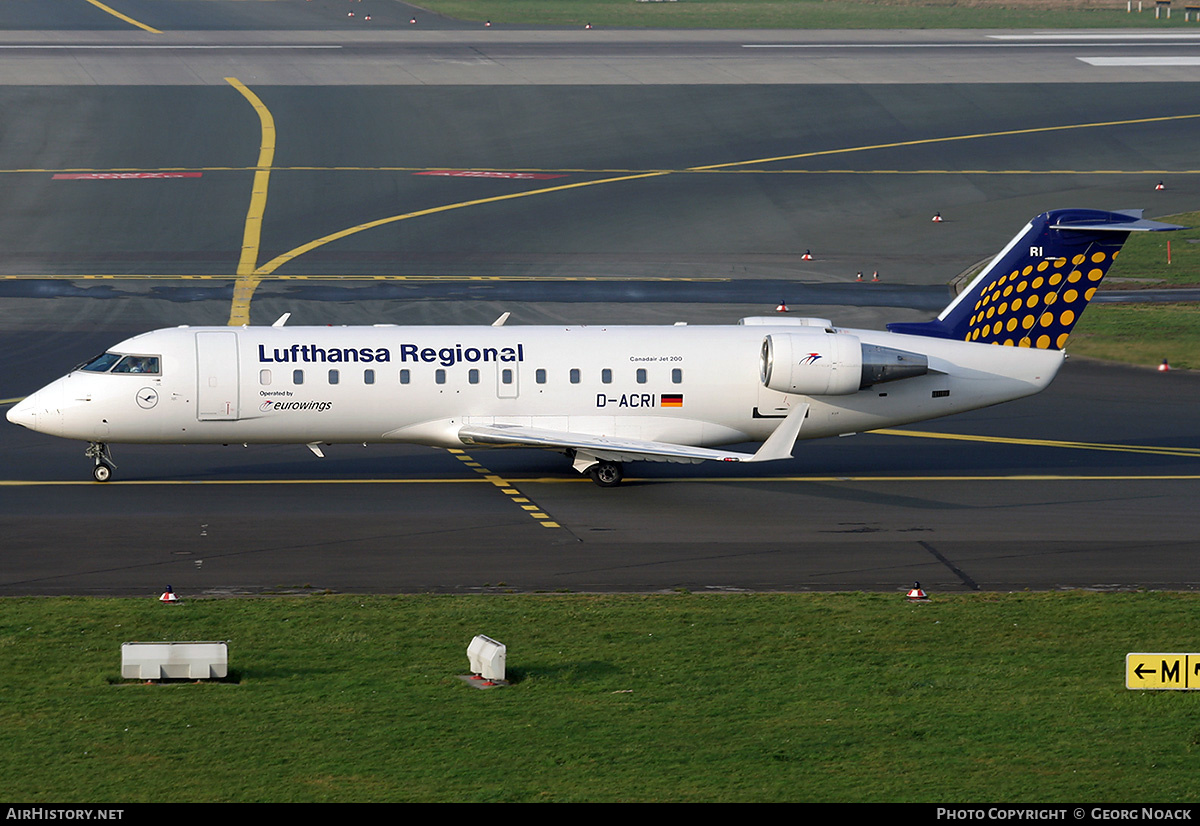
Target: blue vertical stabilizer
{"x": 1034, "y": 291}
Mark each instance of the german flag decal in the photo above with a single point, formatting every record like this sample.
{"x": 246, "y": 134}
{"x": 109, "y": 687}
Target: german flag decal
{"x": 672, "y": 400}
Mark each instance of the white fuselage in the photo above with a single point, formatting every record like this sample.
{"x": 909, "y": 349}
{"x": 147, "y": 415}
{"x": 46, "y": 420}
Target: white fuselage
{"x": 687, "y": 385}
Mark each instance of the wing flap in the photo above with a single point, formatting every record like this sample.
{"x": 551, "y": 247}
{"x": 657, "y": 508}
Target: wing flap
{"x": 611, "y": 448}
{"x": 619, "y": 449}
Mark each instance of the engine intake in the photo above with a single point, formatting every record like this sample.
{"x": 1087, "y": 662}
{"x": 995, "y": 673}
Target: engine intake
{"x": 833, "y": 364}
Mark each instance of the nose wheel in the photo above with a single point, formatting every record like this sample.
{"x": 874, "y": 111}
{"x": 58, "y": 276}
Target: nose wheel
{"x": 104, "y": 467}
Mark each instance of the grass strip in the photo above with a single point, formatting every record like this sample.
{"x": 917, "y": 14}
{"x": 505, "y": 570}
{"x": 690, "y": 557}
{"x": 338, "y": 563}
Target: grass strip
{"x": 807, "y": 14}
{"x": 805, "y": 697}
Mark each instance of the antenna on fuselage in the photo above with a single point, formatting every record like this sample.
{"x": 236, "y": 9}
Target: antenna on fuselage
{"x": 282, "y": 320}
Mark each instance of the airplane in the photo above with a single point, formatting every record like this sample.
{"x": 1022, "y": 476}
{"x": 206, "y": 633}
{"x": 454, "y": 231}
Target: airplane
{"x": 601, "y": 395}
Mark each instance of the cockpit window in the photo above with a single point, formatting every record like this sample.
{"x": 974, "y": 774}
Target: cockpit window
{"x": 123, "y": 364}
{"x": 101, "y": 363}
{"x": 137, "y": 364}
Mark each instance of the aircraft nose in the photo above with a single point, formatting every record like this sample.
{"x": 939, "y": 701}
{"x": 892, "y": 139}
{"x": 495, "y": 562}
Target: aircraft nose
{"x": 24, "y": 413}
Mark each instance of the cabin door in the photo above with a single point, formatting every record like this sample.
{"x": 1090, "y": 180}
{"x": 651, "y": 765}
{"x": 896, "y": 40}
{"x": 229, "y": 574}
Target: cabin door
{"x": 216, "y": 376}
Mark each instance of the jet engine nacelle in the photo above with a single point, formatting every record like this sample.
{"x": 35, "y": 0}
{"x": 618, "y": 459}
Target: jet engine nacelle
{"x": 832, "y": 364}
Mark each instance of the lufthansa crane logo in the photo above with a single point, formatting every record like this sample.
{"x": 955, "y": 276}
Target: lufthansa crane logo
{"x": 147, "y": 397}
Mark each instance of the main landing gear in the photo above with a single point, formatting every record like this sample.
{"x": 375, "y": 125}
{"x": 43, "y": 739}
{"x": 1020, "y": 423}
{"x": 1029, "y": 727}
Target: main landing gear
{"x": 607, "y": 474}
{"x": 99, "y": 451}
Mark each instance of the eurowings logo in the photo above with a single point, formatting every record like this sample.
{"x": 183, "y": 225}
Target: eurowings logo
{"x": 272, "y": 406}
{"x": 811, "y": 358}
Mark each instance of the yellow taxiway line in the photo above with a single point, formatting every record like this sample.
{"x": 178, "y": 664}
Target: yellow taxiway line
{"x": 126, "y": 18}
{"x": 505, "y": 487}
{"x": 962, "y": 437}
{"x": 243, "y": 293}
{"x": 247, "y": 280}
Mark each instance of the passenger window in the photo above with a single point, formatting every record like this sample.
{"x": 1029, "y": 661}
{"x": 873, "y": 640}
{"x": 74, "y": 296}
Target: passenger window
{"x": 506, "y": 375}
{"x": 574, "y": 375}
{"x": 264, "y": 377}
{"x": 440, "y": 376}
{"x": 297, "y": 377}
{"x": 404, "y": 377}
{"x": 368, "y": 376}
{"x": 334, "y": 376}
{"x": 473, "y": 375}
{"x": 606, "y": 375}
{"x": 641, "y": 375}
{"x": 540, "y": 375}
{"x": 677, "y": 376}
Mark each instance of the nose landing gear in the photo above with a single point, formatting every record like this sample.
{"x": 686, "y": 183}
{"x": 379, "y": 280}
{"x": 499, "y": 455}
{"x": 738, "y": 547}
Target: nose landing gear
{"x": 104, "y": 467}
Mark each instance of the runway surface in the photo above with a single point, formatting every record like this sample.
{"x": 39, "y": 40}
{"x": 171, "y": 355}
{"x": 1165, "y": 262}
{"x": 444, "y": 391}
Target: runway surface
{"x": 254, "y": 157}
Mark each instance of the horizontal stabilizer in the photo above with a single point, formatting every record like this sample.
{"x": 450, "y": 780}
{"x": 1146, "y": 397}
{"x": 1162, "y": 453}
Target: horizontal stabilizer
{"x": 1128, "y": 220}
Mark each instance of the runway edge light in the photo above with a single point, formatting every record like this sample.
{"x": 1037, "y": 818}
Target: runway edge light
{"x": 487, "y": 658}
{"x": 915, "y": 594}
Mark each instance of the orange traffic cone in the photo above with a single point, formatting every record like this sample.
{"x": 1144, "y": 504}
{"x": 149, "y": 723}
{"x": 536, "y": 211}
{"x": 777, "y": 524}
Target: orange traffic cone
{"x": 937, "y": 217}
{"x": 782, "y": 308}
{"x": 168, "y": 595}
{"x": 1159, "y": 187}
{"x": 807, "y": 256}
{"x": 875, "y": 276}
{"x": 1164, "y": 367}
{"x": 859, "y": 277}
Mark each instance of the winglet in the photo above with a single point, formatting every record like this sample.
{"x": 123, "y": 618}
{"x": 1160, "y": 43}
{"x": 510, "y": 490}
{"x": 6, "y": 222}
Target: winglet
{"x": 780, "y": 443}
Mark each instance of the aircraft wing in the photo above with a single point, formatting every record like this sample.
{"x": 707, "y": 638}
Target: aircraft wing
{"x": 617, "y": 449}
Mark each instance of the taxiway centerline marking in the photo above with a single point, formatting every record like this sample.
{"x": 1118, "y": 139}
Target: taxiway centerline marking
{"x": 270, "y": 267}
{"x": 960, "y": 437}
{"x": 243, "y": 291}
{"x": 126, "y": 18}
{"x": 274, "y": 264}
{"x": 951, "y": 139}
